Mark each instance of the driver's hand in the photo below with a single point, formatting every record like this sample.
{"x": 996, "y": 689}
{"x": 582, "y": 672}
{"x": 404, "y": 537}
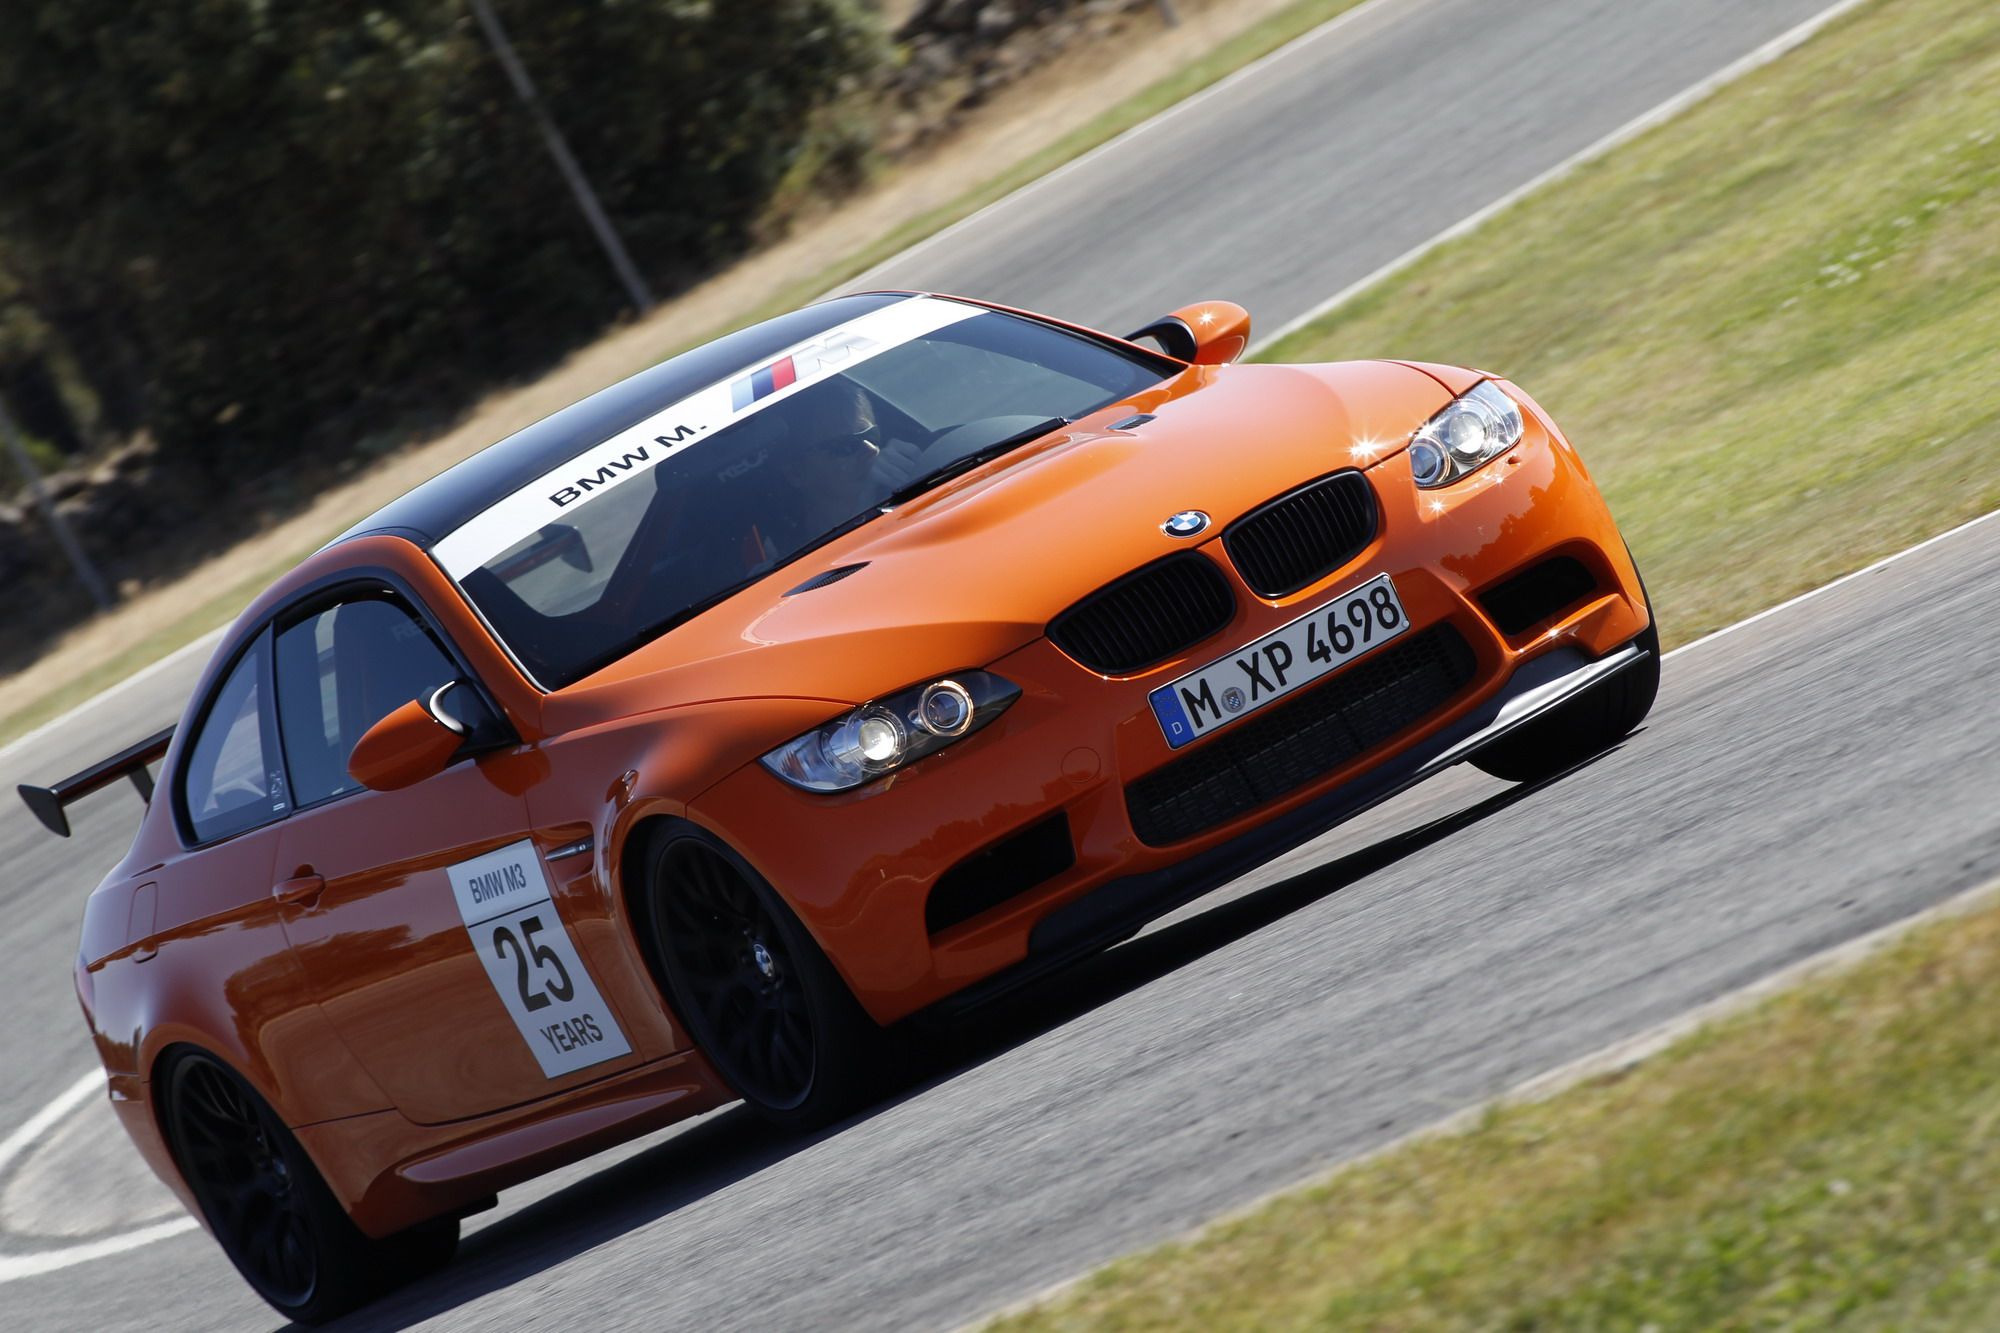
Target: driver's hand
{"x": 898, "y": 463}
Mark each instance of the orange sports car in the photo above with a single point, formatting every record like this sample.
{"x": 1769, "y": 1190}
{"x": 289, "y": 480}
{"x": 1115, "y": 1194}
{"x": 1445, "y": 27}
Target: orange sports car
{"x": 860, "y": 665}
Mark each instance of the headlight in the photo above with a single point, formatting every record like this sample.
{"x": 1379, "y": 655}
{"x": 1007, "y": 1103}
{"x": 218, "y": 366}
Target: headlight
{"x": 1476, "y": 428}
{"x": 884, "y": 734}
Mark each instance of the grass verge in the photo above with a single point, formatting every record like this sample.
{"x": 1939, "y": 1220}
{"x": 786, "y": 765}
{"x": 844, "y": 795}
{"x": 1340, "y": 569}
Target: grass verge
{"x": 1827, "y": 1159}
{"x": 1769, "y": 325}
{"x": 1253, "y": 43}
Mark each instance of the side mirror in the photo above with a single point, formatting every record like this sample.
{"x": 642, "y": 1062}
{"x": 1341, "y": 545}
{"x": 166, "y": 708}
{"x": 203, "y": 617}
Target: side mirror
{"x": 419, "y": 739}
{"x": 1211, "y": 333}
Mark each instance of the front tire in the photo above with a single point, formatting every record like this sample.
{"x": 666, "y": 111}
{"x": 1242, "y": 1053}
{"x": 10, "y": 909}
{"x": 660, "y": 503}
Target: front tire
{"x": 269, "y": 1208}
{"x": 759, "y": 997}
{"x": 1579, "y": 728}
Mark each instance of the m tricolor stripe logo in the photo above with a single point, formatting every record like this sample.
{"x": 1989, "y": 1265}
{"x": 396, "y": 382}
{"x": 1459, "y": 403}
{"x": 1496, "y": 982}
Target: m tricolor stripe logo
{"x": 762, "y": 383}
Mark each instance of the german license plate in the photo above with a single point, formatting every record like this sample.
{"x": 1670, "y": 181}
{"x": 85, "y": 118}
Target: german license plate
{"x": 1316, "y": 644}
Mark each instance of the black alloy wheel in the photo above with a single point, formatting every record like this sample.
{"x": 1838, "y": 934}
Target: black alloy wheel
{"x": 230, "y": 1149}
{"x": 270, "y": 1210}
{"x": 762, "y": 1001}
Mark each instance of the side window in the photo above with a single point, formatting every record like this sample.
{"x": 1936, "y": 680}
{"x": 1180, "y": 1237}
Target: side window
{"x": 233, "y": 780}
{"x": 339, "y": 673}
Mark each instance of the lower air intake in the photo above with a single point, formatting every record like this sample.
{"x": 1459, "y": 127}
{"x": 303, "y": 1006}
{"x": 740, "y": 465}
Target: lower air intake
{"x": 1539, "y": 593}
{"x": 992, "y": 875}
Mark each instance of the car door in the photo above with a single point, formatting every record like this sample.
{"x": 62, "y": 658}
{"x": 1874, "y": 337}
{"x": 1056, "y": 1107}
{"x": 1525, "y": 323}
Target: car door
{"x": 204, "y": 930}
{"x": 423, "y": 918}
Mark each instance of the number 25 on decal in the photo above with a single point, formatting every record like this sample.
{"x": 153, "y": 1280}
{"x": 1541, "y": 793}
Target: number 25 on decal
{"x": 526, "y": 953}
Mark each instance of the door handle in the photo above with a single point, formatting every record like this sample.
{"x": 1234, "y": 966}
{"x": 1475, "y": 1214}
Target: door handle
{"x": 303, "y": 891}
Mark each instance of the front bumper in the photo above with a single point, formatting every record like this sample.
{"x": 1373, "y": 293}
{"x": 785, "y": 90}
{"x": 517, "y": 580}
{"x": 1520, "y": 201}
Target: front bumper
{"x": 1113, "y": 911}
{"x": 860, "y": 867}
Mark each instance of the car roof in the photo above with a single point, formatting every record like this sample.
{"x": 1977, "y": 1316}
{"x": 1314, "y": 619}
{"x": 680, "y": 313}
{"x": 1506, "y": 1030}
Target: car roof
{"x": 433, "y": 510}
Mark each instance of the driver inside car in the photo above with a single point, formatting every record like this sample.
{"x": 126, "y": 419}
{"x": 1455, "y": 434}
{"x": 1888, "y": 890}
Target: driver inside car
{"x": 839, "y": 461}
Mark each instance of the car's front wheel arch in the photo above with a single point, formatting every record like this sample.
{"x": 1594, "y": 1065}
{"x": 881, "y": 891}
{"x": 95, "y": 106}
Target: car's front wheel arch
{"x": 745, "y": 977}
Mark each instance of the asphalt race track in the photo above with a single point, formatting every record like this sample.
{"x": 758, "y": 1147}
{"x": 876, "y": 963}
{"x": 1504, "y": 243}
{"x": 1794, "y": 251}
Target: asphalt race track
{"x": 1807, "y": 778}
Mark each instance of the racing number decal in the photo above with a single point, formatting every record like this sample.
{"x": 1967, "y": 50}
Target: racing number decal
{"x": 503, "y": 941}
{"x": 532, "y": 962}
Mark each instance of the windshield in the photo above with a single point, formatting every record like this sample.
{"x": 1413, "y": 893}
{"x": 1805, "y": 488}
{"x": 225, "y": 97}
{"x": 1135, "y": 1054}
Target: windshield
{"x": 650, "y": 528}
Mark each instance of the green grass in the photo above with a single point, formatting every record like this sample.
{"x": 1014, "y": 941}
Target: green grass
{"x": 1254, "y": 42}
{"x": 1770, "y": 325}
{"x": 1830, "y": 1159}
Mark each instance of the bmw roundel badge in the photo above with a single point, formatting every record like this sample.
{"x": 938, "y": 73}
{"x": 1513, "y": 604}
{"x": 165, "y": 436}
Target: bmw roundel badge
{"x": 1185, "y": 524}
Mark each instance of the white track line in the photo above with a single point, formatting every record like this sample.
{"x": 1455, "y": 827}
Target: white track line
{"x": 14, "y": 1266}
{"x": 45, "y": 1119}
{"x": 1811, "y": 593}
{"x": 1258, "y": 66}
{"x": 1665, "y": 111}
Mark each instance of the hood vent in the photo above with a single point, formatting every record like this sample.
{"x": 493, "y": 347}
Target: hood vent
{"x": 826, "y": 576}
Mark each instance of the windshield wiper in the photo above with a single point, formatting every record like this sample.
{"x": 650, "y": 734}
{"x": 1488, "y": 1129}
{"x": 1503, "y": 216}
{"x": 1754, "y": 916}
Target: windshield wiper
{"x": 966, "y": 462}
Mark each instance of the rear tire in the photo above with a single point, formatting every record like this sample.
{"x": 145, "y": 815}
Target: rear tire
{"x": 759, "y": 997}
{"x": 1578, "y": 728}
{"x": 269, "y": 1208}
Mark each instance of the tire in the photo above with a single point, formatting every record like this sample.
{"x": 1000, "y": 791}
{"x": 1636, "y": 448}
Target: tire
{"x": 759, "y": 997}
{"x": 1578, "y": 728}
{"x": 269, "y": 1208}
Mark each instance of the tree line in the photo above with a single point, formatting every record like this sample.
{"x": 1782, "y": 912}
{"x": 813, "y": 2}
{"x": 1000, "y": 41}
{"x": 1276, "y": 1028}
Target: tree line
{"x": 264, "y": 229}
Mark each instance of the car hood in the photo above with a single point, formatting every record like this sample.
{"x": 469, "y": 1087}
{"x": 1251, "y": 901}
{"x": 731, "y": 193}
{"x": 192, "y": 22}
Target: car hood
{"x": 971, "y": 571}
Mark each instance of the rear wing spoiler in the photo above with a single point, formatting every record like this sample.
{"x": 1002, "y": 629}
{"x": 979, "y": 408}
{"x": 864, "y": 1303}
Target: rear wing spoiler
{"x": 48, "y": 803}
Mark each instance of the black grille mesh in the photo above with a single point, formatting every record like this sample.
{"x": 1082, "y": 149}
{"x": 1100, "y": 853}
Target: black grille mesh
{"x": 1147, "y": 616}
{"x": 1291, "y": 743}
{"x": 1302, "y": 537}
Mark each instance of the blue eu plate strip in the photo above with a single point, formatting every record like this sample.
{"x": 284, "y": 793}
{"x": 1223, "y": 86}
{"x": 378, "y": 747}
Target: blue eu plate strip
{"x": 1173, "y": 718}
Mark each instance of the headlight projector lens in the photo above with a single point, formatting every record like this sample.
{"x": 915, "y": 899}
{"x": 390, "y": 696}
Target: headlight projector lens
{"x": 879, "y": 737}
{"x": 945, "y": 709}
{"x": 1428, "y": 463}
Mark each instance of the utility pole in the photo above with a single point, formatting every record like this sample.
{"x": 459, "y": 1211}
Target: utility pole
{"x": 85, "y": 571}
{"x": 586, "y": 199}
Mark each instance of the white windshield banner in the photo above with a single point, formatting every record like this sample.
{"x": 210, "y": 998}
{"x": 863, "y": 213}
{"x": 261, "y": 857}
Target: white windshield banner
{"x": 664, "y": 434}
